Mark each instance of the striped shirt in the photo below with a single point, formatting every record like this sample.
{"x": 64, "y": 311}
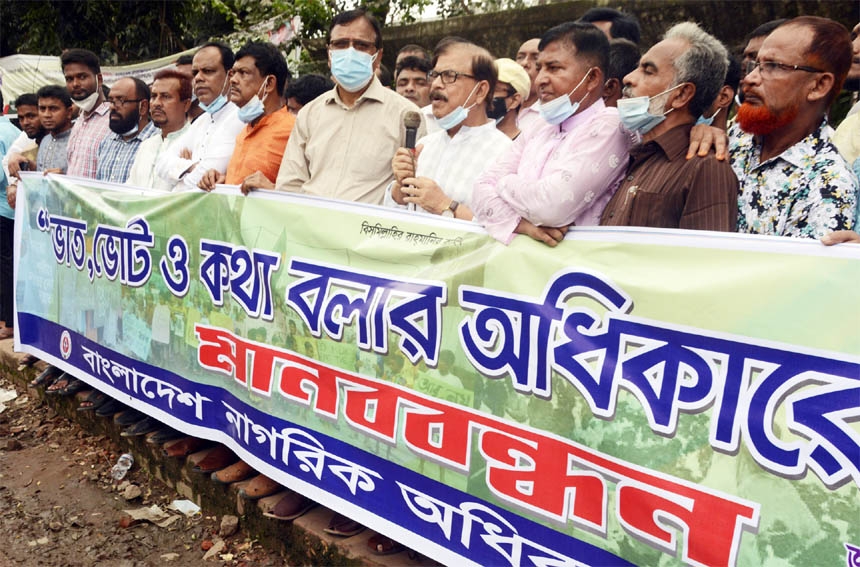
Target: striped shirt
{"x": 663, "y": 189}
{"x": 53, "y": 151}
{"x": 116, "y": 155}
{"x": 87, "y": 133}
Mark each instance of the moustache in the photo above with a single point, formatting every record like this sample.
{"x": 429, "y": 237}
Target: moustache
{"x": 438, "y": 95}
{"x": 627, "y": 92}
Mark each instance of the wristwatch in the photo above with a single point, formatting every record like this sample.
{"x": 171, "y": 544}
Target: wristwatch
{"x": 451, "y": 211}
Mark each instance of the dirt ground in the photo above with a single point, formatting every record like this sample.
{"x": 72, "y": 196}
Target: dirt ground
{"x": 60, "y": 507}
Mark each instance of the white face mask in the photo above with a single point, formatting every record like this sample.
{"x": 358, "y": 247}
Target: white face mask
{"x": 560, "y": 108}
{"x": 88, "y": 103}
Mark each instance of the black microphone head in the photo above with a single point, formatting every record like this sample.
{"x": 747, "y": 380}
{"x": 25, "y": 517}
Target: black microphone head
{"x": 412, "y": 119}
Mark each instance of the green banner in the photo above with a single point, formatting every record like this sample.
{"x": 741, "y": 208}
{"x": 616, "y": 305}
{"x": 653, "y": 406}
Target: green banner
{"x": 630, "y": 397}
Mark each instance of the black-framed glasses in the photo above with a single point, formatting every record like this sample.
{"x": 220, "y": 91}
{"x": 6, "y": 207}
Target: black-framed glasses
{"x": 358, "y": 44}
{"x": 119, "y": 101}
{"x": 767, "y": 68}
{"x": 448, "y": 76}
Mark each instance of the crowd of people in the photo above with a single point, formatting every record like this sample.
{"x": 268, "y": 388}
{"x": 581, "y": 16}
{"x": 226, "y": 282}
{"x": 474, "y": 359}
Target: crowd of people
{"x": 578, "y": 128}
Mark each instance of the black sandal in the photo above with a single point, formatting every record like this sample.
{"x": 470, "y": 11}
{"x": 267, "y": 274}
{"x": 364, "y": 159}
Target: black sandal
{"x": 47, "y": 377}
{"x": 94, "y": 401}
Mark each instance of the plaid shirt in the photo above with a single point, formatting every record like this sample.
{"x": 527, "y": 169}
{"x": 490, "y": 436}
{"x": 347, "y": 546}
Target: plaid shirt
{"x": 116, "y": 155}
{"x": 87, "y": 134}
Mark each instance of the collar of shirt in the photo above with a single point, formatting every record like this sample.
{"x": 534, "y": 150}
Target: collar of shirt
{"x": 797, "y": 155}
{"x": 142, "y": 134}
{"x": 61, "y": 135}
{"x": 466, "y": 132}
{"x": 269, "y": 118}
{"x": 533, "y": 107}
{"x": 100, "y": 110}
{"x": 582, "y": 116}
{"x": 674, "y": 143}
{"x": 374, "y": 92}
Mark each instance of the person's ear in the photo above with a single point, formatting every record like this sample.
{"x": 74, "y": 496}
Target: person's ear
{"x": 684, "y": 95}
{"x": 821, "y": 87}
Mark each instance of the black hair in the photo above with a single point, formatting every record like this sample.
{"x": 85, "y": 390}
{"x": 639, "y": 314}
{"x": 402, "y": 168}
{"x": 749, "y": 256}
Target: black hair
{"x": 415, "y": 48}
{"x": 184, "y": 60}
{"x": 227, "y": 58}
{"x": 308, "y": 87}
{"x": 623, "y": 58}
{"x": 27, "y": 99}
{"x": 764, "y": 29}
{"x": 350, "y": 16}
{"x": 268, "y": 60}
{"x": 55, "y": 91}
{"x": 588, "y": 40}
{"x": 623, "y": 25}
{"x": 141, "y": 89}
{"x": 385, "y": 76}
{"x": 414, "y": 63}
{"x": 84, "y": 56}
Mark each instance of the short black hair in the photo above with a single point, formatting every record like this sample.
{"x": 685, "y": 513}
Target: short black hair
{"x": 385, "y": 76}
{"x": 413, "y": 63}
{"x": 141, "y": 89}
{"x": 350, "y": 16}
{"x": 227, "y": 58}
{"x": 27, "y": 99}
{"x": 185, "y": 60}
{"x": 764, "y": 29}
{"x": 83, "y": 56}
{"x": 268, "y": 60}
{"x": 415, "y": 48}
{"x": 733, "y": 73}
{"x": 308, "y": 87}
{"x": 623, "y": 58}
{"x": 623, "y": 25}
{"x": 588, "y": 40}
{"x": 55, "y": 91}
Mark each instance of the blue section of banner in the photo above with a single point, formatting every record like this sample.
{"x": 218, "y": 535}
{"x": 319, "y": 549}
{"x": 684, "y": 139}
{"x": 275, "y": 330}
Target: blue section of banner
{"x": 450, "y": 518}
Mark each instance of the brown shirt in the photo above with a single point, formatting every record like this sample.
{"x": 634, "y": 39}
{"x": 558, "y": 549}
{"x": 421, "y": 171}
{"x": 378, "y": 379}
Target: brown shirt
{"x": 663, "y": 189}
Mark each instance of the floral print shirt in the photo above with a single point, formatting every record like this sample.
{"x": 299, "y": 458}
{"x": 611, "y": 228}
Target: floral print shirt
{"x": 807, "y": 191}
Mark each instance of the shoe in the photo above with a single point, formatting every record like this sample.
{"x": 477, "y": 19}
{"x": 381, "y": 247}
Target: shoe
{"x": 340, "y": 525}
{"x": 233, "y": 473}
{"x": 291, "y": 506}
{"x": 128, "y": 417}
{"x": 215, "y": 460}
{"x": 142, "y": 427}
{"x": 382, "y": 545}
{"x": 183, "y": 447}
{"x": 109, "y": 408}
{"x": 47, "y": 377}
{"x": 6, "y": 333}
{"x": 258, "y": 487}
{"x": 164, "y": 435}
{"x": 94, "y": 401}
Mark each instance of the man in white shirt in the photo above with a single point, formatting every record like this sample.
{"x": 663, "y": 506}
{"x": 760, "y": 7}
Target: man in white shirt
{"x": 527, "y": 56}
{"x": 209, "y": 141}
{"x": 448, "y": 161}
{"x": 169, "y": 101}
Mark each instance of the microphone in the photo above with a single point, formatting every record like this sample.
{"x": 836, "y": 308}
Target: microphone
{"x": 411, "y": 121}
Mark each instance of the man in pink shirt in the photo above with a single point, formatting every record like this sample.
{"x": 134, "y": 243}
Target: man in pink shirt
{"x": 563, "y": 172}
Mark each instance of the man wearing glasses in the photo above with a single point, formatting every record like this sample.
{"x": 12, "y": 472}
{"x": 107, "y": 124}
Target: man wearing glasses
{"x": 793, "y": 182}
{"x": 438, "y": 176}
{"x": 130, "y": 126}
{"x": 342, "y": 142}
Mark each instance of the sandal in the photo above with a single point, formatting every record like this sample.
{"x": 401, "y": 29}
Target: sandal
{"x": 383, "y": 545}
{"x": 73, "y": 387}
{"x": 109, "y": 408}
{"x": 26, "y": 362}
{"x": 340, "y": 525}
{"x": 60, "y": 384}
{"x": 47, "y": 377}
{"x": 94, "y": 401}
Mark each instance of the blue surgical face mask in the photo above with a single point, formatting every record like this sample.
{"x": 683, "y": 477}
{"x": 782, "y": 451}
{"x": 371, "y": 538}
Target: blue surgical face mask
{"x": 352, "y": 69}
{"x": 560, "y": 109}
{"x": 458, "y": 115}
{"x": 218, "y": 103}
{"x": 254, "y": 108}
{"x": 707, "y": 121}
{"x": 635, "y": 112}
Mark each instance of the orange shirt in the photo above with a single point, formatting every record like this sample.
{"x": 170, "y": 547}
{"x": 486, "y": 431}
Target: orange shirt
{"x": 261, "y": 147}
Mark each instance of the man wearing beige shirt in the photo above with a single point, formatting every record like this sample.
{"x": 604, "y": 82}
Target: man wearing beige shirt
{"x": 342, "y": 142}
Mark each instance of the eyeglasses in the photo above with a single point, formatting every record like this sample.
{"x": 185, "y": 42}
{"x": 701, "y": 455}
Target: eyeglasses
{"x": 358, "y": 44}
{"x": 119, "y": 101}
{"x": 448, "y": 76}
{"x": 768, "y": 68}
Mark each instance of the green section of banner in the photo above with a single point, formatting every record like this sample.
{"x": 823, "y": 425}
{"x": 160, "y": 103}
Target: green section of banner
{"x": 790, "y": 296}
